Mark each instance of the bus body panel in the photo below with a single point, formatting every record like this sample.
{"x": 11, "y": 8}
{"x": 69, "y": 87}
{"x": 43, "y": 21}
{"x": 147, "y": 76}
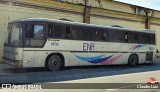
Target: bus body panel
{"x": 35, "y": 57}
{"x": 102, "y": 54}
{"x": 13, "y": 56}
{"x": 98, "y": 46}
{"x": 28, "y": 60}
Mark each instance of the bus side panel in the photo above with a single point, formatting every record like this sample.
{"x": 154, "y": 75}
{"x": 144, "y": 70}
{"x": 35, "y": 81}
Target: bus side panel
{"x": 39, "y": 60}
{"x": 79, "y": 52}
{"x": 120, "y": 58}
{"x": 63, "y": 47}
{"x": 98, "y": 55}
{"x": 117, "y": 47}
{"x": 141, "y": 58}
{"x": 119, "y": 52}
{"x": 152, "y": 50}
{"x": 68, "y": 59}
{"x": 28, "y": 59}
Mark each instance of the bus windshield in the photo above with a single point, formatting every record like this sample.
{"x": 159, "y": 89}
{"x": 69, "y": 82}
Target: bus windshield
{"x": 14, "y": 34}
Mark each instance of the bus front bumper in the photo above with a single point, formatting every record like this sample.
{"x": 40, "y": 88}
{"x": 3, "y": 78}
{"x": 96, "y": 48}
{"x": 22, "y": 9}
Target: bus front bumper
{"x": 15, "y": 63}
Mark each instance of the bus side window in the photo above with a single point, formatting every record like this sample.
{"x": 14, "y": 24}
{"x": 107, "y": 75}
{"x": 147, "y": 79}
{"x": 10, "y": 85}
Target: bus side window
{"x": 50, "y": 30}
{"x": 126, "y": 37}
{"x": 141, "y": 38}
{"x": 58, "y": 31}
{"x": 105, "y": 36}
{"x": 147, "y": 38}
{"x": 35, "y": 34}
{"x": 35, "y": 31}
{"x": 86, "y": 33}
{"x": 29, "y": 32}
{"x": 152, "y": 39}
{"x": 76, "y": 33}
{"x": 118, "y": 36}
{"x": 136, "y": 37}
{"x": 61, "y": 31}
{"x": 97, "y": 34}
{"x": 132, "y": 37}
{"x": 68, "y": 32}
{"x": 39, "y": 32}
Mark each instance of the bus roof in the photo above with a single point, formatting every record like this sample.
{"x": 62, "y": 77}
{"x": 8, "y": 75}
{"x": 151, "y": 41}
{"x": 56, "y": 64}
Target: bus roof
{"x": 81, "y": 24}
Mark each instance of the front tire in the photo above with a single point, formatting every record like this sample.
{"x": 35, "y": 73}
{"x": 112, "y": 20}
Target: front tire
{"x": 133, "y": 60}
{"x": 54, "y": 63}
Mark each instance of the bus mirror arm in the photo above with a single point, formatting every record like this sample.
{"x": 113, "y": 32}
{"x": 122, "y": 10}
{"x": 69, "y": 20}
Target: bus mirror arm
{"x": 157, "y": 53}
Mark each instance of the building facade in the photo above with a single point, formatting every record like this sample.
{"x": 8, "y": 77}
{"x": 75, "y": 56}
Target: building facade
{"x": 101, "y": 12}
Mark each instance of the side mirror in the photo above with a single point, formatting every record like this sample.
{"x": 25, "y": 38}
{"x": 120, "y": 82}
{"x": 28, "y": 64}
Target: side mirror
{"x": 157, "y": 51}
{"x": 157, "y": 54}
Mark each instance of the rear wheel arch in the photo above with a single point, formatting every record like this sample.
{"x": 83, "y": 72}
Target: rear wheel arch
{"x": 133, "y": 57}
{"x": 52, "y": 54}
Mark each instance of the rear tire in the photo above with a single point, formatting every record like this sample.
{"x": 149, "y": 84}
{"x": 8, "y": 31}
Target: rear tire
{"x": 133, "y": 60}
{"x": 54, "y": 63}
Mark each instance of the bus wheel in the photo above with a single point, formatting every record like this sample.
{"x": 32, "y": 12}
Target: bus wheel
{"x": 133, "y": 60}
{"x": 54, "y": 63}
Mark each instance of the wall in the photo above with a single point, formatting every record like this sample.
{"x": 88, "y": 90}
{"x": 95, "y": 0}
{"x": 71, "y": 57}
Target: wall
{"x": 103, "y": 12}
{"x": 9, "y": 12}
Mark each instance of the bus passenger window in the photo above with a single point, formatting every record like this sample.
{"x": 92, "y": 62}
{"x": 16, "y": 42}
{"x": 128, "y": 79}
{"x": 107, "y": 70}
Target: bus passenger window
{"x": 77, "y": 33}
{"x": 50, "y": 30}
{"x": 61, "y": 31}
{"x": 136, "y": 37}
{"x": 126, "y": 37}
{"x": 117, "y": 36}
{"x": 29, "y": 32}
{"x": 35, "y": 35}
{"x": 68, "y": 33}
{"x": 141, "y": 38}
{"x": 39, "y": 32}
{"x": 97, "y": 34}
{"x": 105, "y": 35}
{"x": 153, "y": 39}
{"x": 58, "y": 31}
{"x": 132, "y": 37}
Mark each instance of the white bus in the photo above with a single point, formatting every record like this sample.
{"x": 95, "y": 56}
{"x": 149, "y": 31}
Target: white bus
{"x": 54, "y": 44}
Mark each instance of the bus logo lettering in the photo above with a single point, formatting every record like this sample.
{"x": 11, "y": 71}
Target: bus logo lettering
{"x": 54, "y": 43}
{"x": 88, "y": 46}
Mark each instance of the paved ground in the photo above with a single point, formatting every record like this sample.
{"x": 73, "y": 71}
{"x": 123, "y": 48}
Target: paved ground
{"x": 96, "y": 74}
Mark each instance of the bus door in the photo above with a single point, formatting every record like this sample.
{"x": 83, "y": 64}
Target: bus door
{"x": 35, "y": 38}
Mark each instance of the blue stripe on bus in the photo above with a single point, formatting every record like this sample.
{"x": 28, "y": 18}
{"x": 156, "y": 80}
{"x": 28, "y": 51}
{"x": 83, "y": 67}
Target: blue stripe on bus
{"x": 96, "y": 59}
{"x": 89, "y": 58}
